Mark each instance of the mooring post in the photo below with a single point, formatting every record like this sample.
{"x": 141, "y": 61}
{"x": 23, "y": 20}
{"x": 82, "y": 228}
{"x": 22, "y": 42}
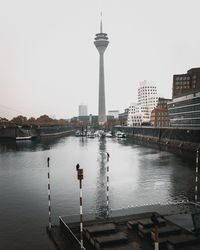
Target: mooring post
{"x": 107, "y": 171}
{"x": 49, "y": 192}
{"x": 196, "y": 179}
{"x": 80, "y": 178}
{"x": 155, "y": 223}
{"x": 156, "y": 238}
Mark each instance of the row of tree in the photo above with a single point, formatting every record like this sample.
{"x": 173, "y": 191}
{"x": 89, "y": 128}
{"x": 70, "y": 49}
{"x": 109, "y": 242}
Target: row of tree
{"x": 43, "y": 120}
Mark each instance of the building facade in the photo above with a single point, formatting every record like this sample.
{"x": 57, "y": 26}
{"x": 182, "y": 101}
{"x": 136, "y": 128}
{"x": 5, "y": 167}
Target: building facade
{"x": 137, "y": 115}
{"x": 159, "y": 115}
{"x": 91, "y": 119}
{"x": 82, "y": 110}
{"x": 184, "y": 109}
{"x": 183, "y": 83}
{"x": 147, "y": 94}
{"x": 123, "y": 117}
{"x": 140, "y": 113}
{"x": 114, "y": 113}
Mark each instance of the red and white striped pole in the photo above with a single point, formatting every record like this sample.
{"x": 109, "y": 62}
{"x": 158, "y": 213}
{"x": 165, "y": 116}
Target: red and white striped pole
{"x": 156, "y": 238}
{"x": 80, "y": 178}
{"x": 197, "y": 173}
{"x": 107, "y": 177}
{"x": 49, "y": 197}
{"x": 155, "y": 223}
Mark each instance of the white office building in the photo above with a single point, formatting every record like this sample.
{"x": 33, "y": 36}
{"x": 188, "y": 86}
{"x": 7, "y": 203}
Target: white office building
{"x": 137, "y": 115}
{"x": 147, "y": 100}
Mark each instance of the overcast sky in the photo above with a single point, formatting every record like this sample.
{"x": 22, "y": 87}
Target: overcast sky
{"x": 49, "y": 64}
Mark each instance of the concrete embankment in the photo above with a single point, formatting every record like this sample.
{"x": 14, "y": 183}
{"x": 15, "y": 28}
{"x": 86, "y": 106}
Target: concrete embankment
{"x": 8, "y": 133}
{"x": 58, "y": 134}
{"x": 182, "y": 138}
{"x": 51, "y": 131}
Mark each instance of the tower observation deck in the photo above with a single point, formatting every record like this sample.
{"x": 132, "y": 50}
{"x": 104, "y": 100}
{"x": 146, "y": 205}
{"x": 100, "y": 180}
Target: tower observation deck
{"x": 101, "y": 42}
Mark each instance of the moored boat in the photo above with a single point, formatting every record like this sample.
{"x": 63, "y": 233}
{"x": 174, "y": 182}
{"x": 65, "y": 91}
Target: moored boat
{"x": 78, "y": 133}
{"x": 24, "y": 137}
{"x": 120, "y": 134}
{"x": 108, "y": 134}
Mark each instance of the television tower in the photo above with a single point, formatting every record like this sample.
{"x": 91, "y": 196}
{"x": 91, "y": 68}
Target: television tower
{"x": 101, "y": 42}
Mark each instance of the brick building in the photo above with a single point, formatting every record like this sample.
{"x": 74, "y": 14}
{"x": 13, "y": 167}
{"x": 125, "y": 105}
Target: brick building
{"x": 183, "y": 83}
{"x": 159, "y": 115}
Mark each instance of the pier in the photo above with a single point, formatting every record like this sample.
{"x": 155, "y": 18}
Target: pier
{"x": 133, "y": 229}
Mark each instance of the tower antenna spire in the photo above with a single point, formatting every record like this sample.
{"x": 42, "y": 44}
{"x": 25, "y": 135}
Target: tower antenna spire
{"x": 101, "y": 24}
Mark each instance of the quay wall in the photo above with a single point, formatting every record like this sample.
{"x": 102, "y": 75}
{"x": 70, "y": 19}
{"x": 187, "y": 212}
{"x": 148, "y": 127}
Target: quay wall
{"x": 57, "y": 134}
{"x": 184, "y": 138}
{"x": 54, "y": 131}
{"x": 9, "y": 132}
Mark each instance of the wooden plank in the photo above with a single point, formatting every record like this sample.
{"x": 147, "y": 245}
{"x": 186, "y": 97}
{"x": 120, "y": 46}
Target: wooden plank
{"x": 129, "y": 246}
{"x": 144, "y": 233}
{"x": 166, "y": 231}
{"x": 107, "y": 240}
{"x": 147, "y": 222}
{"x": 132, "y": 224}
{"x": 162, "y": 242}
{"x": 99, "y": 228}
{"x": 181, "y": 240}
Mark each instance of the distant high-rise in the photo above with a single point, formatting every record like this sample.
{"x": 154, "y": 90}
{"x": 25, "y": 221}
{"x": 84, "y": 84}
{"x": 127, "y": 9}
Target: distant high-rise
{"x": 82, "y": 110}
{"x": 101, "y": 42}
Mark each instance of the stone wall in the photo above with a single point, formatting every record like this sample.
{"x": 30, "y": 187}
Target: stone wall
{"x": 12, "y": 132}
{"x": 186, "y": 138}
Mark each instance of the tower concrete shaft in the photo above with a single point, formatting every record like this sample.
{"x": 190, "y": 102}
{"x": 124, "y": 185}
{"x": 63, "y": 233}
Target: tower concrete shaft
{"x": 101, "y": 43}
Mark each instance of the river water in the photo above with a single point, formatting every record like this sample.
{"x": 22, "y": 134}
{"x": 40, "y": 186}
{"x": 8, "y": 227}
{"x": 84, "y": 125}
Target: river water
{"x": 138, "y": 175}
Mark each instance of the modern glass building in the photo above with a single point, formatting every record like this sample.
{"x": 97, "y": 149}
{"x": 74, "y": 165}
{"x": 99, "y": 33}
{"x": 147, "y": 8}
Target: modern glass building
{"x": 184, "y": 109}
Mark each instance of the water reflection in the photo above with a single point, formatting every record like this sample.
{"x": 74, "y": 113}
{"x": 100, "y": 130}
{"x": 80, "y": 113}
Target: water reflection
{"x": 29, "y": 145}
{"x": 182, "y": 179}
{"x": 101, "y": 180}
{"x": 83, "y": 141}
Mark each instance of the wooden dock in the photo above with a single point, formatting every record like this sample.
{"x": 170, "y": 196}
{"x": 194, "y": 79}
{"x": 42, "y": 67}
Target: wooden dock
{"x": 134, "y": 232}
